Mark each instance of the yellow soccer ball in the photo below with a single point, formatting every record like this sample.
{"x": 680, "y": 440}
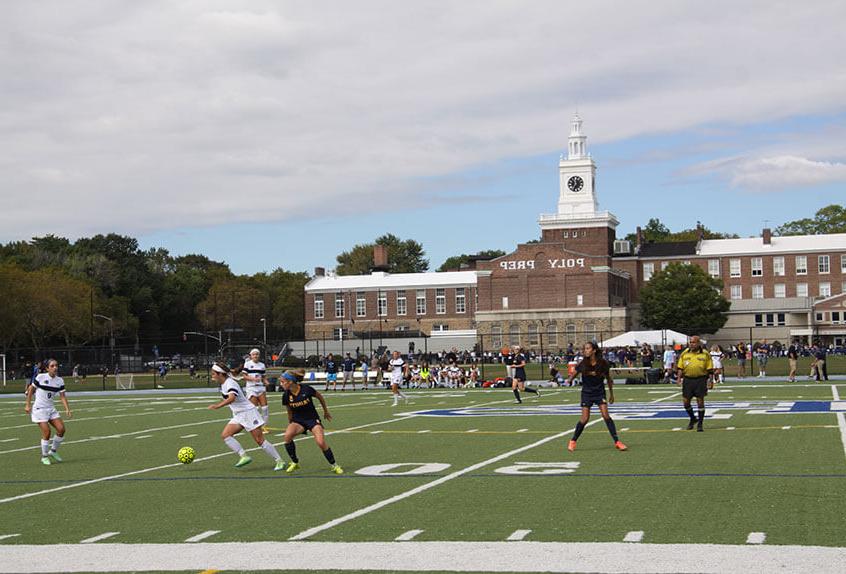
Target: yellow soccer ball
{"x": 186, "y": 455}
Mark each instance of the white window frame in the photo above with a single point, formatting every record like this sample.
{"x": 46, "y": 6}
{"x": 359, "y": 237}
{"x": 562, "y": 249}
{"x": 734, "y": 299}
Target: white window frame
{"x": 779, "y": 291}
{"x": 361, "y": 304}
{"x": 757, "y": 266}
{"x": 801, "y": 289}
{"x": 734, "y": 268}
{"x": 460, "y": 300}
{"x": 714, "y": 267}
{"x": 823, "y": 264}
{"x": 552, "y": 334}
{"x": 402, "y": 303}
{"x": 757, "y": 291}
{"x": 843, "y": 264}
{"x": 319, "y": 306}
{"x": 825, "y": 289}
{"x": 532, "y": 334}
{"x": 648, "y": 271}
{"x": 665, "y": 264}
{"x": 570, "y": 333}
{"x": 382, "y": 304}
{"x": 340, "y": 306}
{"x": 580, "y": 300}
{"x": 778, "y": 266}
{"x": 505, "y": 302}
{"x": 440, "y": 301}
{"x": 801, "y": 265}
{"x": 736, "y": 292}
{"x": 420, "y": 301}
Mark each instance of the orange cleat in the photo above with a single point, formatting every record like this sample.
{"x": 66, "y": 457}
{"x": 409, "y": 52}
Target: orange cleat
{"x": 620, "y": 446}
{"x": 571, "y": 446}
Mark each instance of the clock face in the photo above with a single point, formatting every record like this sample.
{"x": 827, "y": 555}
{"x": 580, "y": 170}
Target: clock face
{"x": 575, "y": 183}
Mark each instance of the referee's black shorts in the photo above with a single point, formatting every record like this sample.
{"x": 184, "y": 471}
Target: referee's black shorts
{"x": 695, "y": 387}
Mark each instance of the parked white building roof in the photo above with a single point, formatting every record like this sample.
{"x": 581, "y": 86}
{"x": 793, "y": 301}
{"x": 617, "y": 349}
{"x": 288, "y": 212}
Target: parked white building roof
{"x": 381, "y": 280}
{"x": 785, "y": 244}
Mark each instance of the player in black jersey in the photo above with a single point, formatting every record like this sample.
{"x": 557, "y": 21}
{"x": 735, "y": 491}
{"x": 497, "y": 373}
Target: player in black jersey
{"x": 595, "y": 371}
{"x": 518, "y": 376}
{"x": 302, "y": 417}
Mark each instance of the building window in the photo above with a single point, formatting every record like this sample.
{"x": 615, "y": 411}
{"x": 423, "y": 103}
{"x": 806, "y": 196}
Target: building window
{"x": 843, "y": 263}
{"x": 835, "y": 316}
{"x": 801, "y": 289}
{"x": 580, "y": 300}
{"x": 781, "y": 319}
{"x": 421, "y": 301}
{"x": 759, "y": 319}
{"x": 402, "y": 303}
{"x": 801, "y": 265}
{"x": 318, "y": 306}
{"x": 460, "y": 300}
{"x": 440, "y": 301}
{"x": 664, "y": 265}
{"x": 714, "y": 267}
{"x": 340, "y": 334}
{"x": 778, "y": 266}
{"x": 823, "y": 264}
{"x": 757, "y": 291}
{"x": 565, "y": 234}
{"x": 505, "y": 302}
{"x": 339, "y": 305}
{"x": 819, "y": 316}
{"x": 401, "y": 328}
{"x": 552, "y": 334}
{"x": 757, "y": 266}
{"x": 571, "y": 334}
{"x": 360, "y": 304}
{"x": 825, "y": 289}
{"x": 514, "y": 335}
{"x": 440, "y": 327}
{"x": 648, "y": 271}
{"x": 590, "y": 332}
{"x": 382, "y": 304}
{"x": 496, "y": 336}
{"x": 779, "y": 291}
{"x": 534, "y": 338}
{"x": 843, "y": 287}
{"x": 737, "y": 292}
{"x": 734, "y": 267}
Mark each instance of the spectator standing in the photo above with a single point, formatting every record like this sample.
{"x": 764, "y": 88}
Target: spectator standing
{"x": 819, "y": 367}
{"x": 741, "y": 360}
{"x": 792, "y": 358}
{"x": 349, "y": 371}
{"x": 647, "y": 355}
{"x": 763, "y": 353}
{"x": 669, "y": 363}
{"x": 365, "y": 371}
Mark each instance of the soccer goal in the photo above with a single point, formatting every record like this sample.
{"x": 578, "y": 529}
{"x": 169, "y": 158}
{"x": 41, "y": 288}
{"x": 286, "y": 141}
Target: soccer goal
{"x": 124, "y": 382}
{"x": 3, "y": 368}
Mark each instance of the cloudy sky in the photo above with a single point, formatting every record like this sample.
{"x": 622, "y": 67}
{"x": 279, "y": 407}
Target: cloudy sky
{"x": 270, "y": 133}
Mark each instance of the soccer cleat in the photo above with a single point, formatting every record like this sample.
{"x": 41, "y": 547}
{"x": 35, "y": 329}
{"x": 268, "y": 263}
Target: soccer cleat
{"x": 337, "y": 469}
{"x": 280, "y": 465}
{"x": 571, "y": 446}
{"x": 620, "y": 446}
{"x": 518, "y": 402}
{"x": 537, "y": 393}
{"x": 699, "y": 428}
{"x": 264, "y": 430}
{"x": 55, "y": 456}
{"x": 292, "y": 467}
{"x": 45, "y": 460}
{"x": 243, "y": 461}
{"x": 690, "y": 425}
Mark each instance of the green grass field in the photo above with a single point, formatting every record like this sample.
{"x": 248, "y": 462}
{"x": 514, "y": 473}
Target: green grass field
{"x": 772, "y": 477}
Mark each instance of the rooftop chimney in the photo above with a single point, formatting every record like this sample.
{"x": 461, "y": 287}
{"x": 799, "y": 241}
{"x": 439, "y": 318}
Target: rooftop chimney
{"x": 768, "y": 236}
{"x": 638, "y": 237}
{"x": 319, "y": 271}
{"x": 380, "y": 258}
{"x": 700, "y": 231}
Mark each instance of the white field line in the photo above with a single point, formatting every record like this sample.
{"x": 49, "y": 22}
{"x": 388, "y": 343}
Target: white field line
{"x": 603, "y": 557}
{"x": 143, "y": 436}
{"x": 841, "y": 418}
{"x": 518, "y": 535}
{"x": 99, "y": 537}
{"x": 172, "y": 465}
{"x": 202, "y": 535}
{"x": 192, "y": 435}
{"x": 410, "y": 535}
{"x": 522, "y": 430}
{"x": 429, "y": 485}
{"x": 633, "y": 536}
{"x": 5, "y": 536}
{"x": 676, "y": 394}
{"x": 9, "y": 439}
{"x": 756, "y": 538}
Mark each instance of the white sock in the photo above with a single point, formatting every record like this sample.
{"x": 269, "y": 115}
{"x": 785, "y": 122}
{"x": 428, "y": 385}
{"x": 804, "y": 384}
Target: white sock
{"x": 270, "y": 449}
{"x": 265, "y": 414}
{"x": 400, "y": 394}
{"x": 45, "y": 447}
{"x": 396, "y": 400}
{"x": 57, "y": 440}
{"x": 233, "y": 443}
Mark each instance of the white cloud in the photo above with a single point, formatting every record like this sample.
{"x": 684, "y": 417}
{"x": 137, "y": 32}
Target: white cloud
{"x": 773, "y": 173}
{"x": 154, "y": 115}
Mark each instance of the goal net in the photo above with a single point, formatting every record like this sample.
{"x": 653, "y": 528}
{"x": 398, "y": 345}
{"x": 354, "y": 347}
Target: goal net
{"x": 124, "y": 382}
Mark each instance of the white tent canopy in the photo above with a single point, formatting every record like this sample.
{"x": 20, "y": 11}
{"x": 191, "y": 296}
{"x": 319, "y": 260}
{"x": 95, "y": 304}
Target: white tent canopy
{"x": 656, "y": 338}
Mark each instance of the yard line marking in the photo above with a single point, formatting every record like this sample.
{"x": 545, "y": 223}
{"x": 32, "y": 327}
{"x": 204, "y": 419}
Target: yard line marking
{"x": 625, "y": 429}
{"x": 202, "y": 535}
{"x": 522, "y": 430}
{"x": 9, "y": 440}
{"x": 408, "y": 535}
{"x": 730, "y": 428}
{"x": 841, "y": 418}
{"x": 634, "y": 536}
{"x": 756, "y": 538}
{"x": 785, "y": 427}
{"x": 667, "y": 397}
{"x": 426, "y": 486}
{"x": 677, "y": 428}
{"x": 5, "y": 536}
{"x": 143, "y": 436}
{"x": 473, "y": 430}
{"x": 518, "y": 535}
{"x": 188, "y": 436}
{"x": 112, "y": 417}
{"x": 99, "y": 537}
{"x": 420, "y": 431}
{"x": 376, "y": 432}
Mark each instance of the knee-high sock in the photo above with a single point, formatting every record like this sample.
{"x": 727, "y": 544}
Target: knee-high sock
{"x": 701, "y": 414}
{"x": 233, "y": 443}
{"x": 580, "y": 426}
{"x": 516, "y": 394}
{"x": 612, "y": 428}
{"x": 530, "y": 390}
{"x": 291, "y": 448}
{"x": 268, "y": 447}
{"x": 57, "y": 441}
{"x": 689, "y": 411}
{"x": 265, "y": 413}
{"x": 329, "y": 456}
{"x": 45, "y": 447}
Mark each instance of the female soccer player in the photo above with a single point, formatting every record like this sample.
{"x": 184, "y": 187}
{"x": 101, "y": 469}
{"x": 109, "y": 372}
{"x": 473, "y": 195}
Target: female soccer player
{"x": 45, "y": 387}
{"x": 245, "y": 416}
{"x": 399, "y": 369}
{"x": 518, "y": 381}
{"x": 717, "y": 358}
{"x": 303, "y": 417}
{"x": 256, "y": 387}
{"x": 594, "y": 370}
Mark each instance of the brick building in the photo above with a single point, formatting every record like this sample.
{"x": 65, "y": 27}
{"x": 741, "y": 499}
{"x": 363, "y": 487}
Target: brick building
{"x": 579, "y": 282}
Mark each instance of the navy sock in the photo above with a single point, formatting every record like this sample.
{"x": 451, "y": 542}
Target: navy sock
{"x": 329, "y": 456}
{"x": 580, "y": 426}
{"x": 516, "y": 393}
{"x": 701, "y": 415}
{"x": 689, "y": 411}
{"x": 612, "y": 428}
{"x": 292, "y": 451}
{"x": 530, "y": 390}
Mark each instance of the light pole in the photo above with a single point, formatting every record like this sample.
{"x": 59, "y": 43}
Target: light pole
{"x": 264, "y": 332}
{"x": 206, "y": 338}
{"x": 111, "y": 337}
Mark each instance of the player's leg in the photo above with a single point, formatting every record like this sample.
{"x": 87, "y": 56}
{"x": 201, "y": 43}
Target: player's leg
{"x": 320, "y": 439}
{"x": 700, "y": 404}
{"x": 515, "y": 388}
{"x": 580, "y": 426}
{"x": 291, "y": 432}
{"x": 612, "y": 428}
{"x": 264, "y": 409}
{"x": 45, "y": 442}
{"x": 526, "y": 389}
{"x": 58, "y": 424}
{"x": 267, "y": 446}
{"x": 228, "y": 436}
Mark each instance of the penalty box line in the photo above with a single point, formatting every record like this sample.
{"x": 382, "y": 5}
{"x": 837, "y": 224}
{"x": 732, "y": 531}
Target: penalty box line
{"x": 841, "y": 418}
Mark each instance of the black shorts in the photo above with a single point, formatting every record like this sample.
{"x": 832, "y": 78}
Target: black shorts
{"x": 520, "y": 373}
{"x": 590, "y": 399}
{"x": 695, "y": 387}
{"x": 307, "y": 424}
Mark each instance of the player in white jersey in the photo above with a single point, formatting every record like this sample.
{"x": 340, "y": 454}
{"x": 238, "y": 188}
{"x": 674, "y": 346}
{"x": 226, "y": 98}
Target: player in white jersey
{"x": 399, "y": 369}
{"x": 454, "y": 375}
{"x": 717, "y": 358}
{"x": 256, "y": 387}
{"x": 245, "y": 416}
{"x": 45, "y": 387}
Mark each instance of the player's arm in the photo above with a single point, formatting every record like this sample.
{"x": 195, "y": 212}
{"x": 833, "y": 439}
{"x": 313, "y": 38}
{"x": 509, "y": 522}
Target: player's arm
{"x": 228, "y": 400}
{"x": 28, "y": 406}
{"x": 64, "y": 399}
{"x": 326, "y": 414}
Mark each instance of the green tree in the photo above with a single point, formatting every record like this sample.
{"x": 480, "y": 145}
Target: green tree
{"x": 404, "y": 256}
{"x": 683, "y": 297}
{"x": 656, "y": 232}
{"x": 829, "y": 219}
{"x": 454, "y": 263}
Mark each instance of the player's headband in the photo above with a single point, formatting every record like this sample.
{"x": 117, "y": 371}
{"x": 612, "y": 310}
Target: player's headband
{"x": 218, "y": 369}
{"x": 256, "y": 351}
{"x": 289, "y": 377}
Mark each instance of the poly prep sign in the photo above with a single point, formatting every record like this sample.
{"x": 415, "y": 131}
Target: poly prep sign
{"x": 547, "y": 263}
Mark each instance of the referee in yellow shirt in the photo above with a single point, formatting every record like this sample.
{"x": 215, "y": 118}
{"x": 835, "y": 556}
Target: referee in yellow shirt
{"x": 694, "y": 368}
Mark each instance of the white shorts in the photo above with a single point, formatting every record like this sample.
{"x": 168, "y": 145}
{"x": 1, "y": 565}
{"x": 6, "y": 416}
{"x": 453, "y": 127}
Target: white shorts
{"x": 44, "y": 415}
{"x": 249, "y": 419}
{"x": 668, "y": 366}
{"x": 255, "y": 391}
{"x": 396, "y": 380}
{"x": 718, "y": 364}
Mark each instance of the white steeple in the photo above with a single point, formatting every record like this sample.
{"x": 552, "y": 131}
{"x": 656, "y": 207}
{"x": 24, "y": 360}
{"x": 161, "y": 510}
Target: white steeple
{"x": 577, "y": 148}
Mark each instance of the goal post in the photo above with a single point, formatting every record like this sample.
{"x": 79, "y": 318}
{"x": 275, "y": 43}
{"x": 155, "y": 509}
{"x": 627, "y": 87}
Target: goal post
{"x": 124, "y": 382}
{"x": 3, "y": 368}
